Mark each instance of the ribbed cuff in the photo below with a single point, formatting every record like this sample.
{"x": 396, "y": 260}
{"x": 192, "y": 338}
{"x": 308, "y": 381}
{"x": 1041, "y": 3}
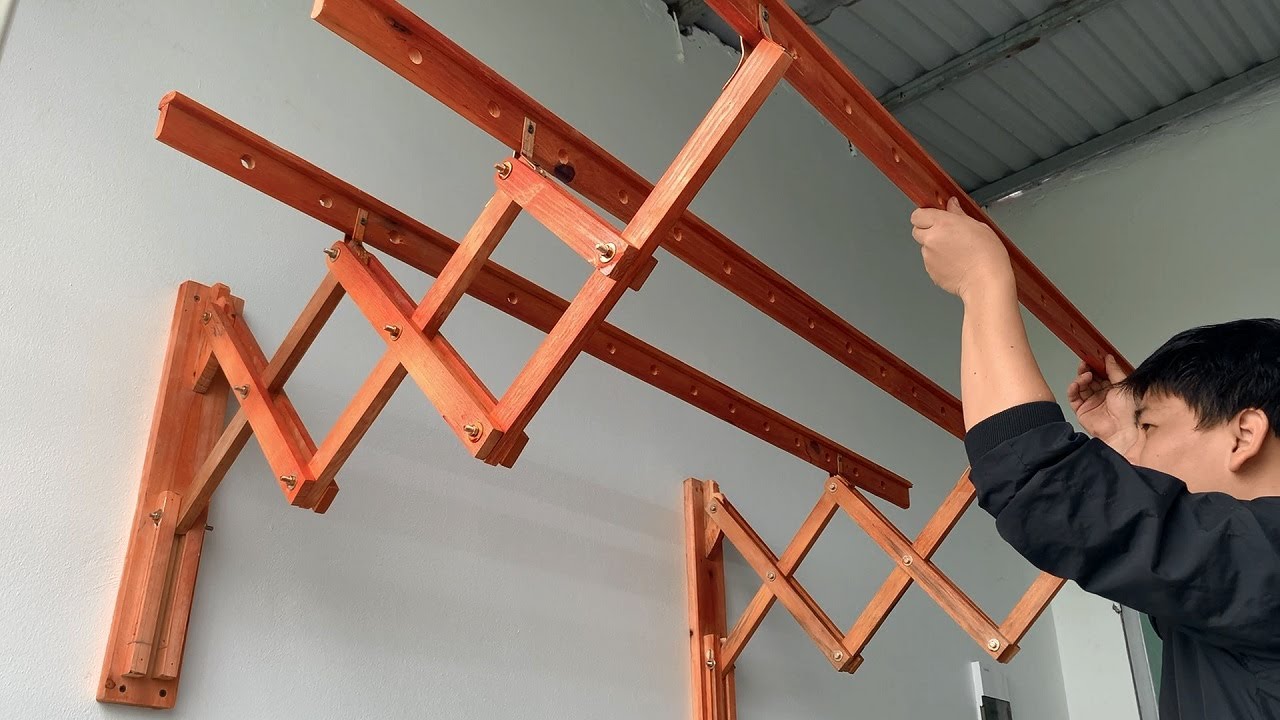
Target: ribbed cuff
{"x": 1009, "y": 424}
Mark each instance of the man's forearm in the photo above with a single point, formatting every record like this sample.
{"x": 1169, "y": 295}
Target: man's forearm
{"x": 997, "y": 368}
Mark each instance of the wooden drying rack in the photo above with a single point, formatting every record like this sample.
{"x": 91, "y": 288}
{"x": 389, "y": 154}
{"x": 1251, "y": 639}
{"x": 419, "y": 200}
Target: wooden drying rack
{"x": 212, "y": 355}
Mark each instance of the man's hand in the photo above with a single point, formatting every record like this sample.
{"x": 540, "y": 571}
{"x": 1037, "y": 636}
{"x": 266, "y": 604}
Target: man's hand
{"x": 1105, "y": 411}
{"x": 962, "y": 255}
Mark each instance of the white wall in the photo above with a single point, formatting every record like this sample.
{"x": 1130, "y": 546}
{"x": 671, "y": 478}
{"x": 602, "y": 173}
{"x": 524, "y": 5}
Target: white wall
{"x": 1175, "y": 232}
{"x": 437, "y": 586}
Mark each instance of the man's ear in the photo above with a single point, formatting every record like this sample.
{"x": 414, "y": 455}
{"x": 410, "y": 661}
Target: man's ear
{"x": 1250, "y": 429}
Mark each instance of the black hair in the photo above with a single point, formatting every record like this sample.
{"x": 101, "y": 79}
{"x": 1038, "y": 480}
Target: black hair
{"x": 1217, "y": 370}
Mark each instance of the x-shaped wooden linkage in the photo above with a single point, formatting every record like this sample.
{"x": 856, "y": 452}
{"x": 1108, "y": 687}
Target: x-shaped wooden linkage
{"x": 213, "y": 355}
{"x": 710, "y": 519}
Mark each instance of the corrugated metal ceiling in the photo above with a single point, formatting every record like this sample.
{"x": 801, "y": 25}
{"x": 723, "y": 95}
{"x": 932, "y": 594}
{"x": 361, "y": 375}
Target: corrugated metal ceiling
{"x": 1106, "y": 65}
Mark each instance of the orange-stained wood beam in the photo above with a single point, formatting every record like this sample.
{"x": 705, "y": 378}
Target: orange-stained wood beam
{"x": 194, "y": 129}
{"x": 820, "y": 77}
{"x": 791, "y": 558}
{"x": 944, "y": 592}
{"x": 711, "y": 676}
{"x": 393, "y": 35}
{"x": 745, "y": 92}
{"x": 296, "y": 342}
{"x": 1031, "y": 606}
{"x": 802, "y": 607}
{"x": 926, "y": 544}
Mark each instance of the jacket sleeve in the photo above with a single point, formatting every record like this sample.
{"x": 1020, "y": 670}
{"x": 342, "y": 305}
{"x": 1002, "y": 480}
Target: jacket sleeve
{"x": 1077, "y": 509}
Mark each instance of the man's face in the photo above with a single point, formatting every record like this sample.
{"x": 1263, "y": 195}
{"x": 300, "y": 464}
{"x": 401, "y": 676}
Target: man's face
{"x": 1169, "y": 441}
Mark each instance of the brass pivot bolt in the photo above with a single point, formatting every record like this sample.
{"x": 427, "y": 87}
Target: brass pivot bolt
{"x": 993, "y": 644}
{"x": 242, "y": 390}
{"x": 771, "y": 577}
{"x": 712, "y": 509}
{"x": 206, "y": 317}
{"x": 393, "y": 331}
{"x": 831, "y": 487}
{"x": 472, "y": 430}
{"x": 607, "y": 251}
{"x": 906, "y": 560}
{"x": 711, "y": 660}
{"x": 332, "y": 252}
{"x": 837, "y": 655}
{"x": 504, "y": 169}
{"x": 289, "y": 480}
{"x": 156, "y": 515}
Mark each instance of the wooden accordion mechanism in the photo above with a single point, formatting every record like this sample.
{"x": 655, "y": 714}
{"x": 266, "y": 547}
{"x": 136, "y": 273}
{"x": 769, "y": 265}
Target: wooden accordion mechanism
{"x": 212, "y": 354}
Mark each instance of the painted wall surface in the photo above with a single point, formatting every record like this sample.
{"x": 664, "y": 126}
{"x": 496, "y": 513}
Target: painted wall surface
{"x": 1159, "y": 237}
{"x": 436, "y": 586}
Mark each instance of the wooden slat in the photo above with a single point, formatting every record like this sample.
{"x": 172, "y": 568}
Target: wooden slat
{"x": 926, "y": 544}
{"x": 570, "y": 219}
{"x": 1031, "y": 606}
{"x": 146, "y": 618}
{"x": 797, "y": 602}
{"x": 819, "y": 76}
{"x": 385, "y": 304}
{"x": 277, "y": 429}
{"x": 214, "y": 140}
{"x": 704, "y": 583}
{"x": 394, "y": 36}
{"x": 950, "y": 598}
{"x": 693, "y": 165}
{"x": 296, "y": 342}
{"x": 466, "y": 263}
{"x": 791, "y": 558}
{"x": 184, "y": 425}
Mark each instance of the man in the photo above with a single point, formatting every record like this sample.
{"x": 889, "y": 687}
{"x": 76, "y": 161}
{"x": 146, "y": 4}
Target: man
{"x": 1172, "y": 508}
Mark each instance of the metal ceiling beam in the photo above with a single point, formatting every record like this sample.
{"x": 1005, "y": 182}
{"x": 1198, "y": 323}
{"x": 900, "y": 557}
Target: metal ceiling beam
{"x": 997, "y": 48}
{"x": 1044, "y": 170}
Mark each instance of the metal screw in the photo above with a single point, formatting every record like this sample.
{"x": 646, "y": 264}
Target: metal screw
{"x": 837, "y": 655}
{"x": 393, "y": 331}
{"x": 289, "y": 480}
{"x": 156, "y": 515}
{"x": 472, "y": 430}
{"x": 206, "y": 317}
{"x": 711, "y": 659}
{"x": 712, "y": 509}
{"x": 831, "y": 487}
{"x": 332, "y": 252}
{"x": 764, "y": 13}
{"x": 906, "y": 560}
{"x": 504, "y": 169}
{"x": 111, "y": 684}
{"x": 993, "y": 644}
{"x": 242, "y": 390}
{"x": 208, "y": 528}
{"x": 607, "y": 251}
{"x": 771, "y": 577}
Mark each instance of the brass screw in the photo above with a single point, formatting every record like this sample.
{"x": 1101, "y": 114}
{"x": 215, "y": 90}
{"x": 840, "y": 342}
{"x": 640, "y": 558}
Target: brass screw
{"x": 472, "y": 430}
{"x": 156, "y": 515}
{"x": 289, "y": 480}
{"x": 906, "y": 560}
{"x": 711, "y": 659}
{"x": 393, "y": 331}
{"x": 831, "y": 487}
{"x": 712, "y": 509}
{"x": 771, "y": 577}
{"x": 607, "y": 251}
{"x": 206, "y": 317}
{"x": 993, "y": 644}
{"x": 242, "y": 390}
{"x": 332, "y": 252}
{"x": 837, "y": 655}
{"x": 504, "y": 169}
{"x": 111, "y": 684}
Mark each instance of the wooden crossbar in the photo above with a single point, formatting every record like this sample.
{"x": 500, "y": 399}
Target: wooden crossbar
{"x": 212, "y": 353}
{"x": 706, "y": 507}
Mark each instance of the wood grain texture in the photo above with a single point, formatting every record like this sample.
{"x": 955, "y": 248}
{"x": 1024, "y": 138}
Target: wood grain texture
{"x": 1031, "y": 606}
{"x": 704, "y": 583}
{"x": 745, "y": 92}
{"x": 194, "y": 129}
{"x": 933, "y": 581}
{"x": 394, "y": 36}
{"x": 819, "y": 76}
{"x": 184, "y": 426}
{"x": 296, "y": 343}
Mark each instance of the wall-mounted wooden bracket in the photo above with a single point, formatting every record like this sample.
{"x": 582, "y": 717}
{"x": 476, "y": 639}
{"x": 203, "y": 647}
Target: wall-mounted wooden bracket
{"x": 710, "y": 519}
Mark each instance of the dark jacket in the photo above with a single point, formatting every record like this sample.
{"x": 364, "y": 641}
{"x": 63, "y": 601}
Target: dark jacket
{"x": 1204, "y": 566}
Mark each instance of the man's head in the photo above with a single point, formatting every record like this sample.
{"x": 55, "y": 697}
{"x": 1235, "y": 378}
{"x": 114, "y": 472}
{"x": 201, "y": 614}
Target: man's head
{"x": 1208, "y": 408}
